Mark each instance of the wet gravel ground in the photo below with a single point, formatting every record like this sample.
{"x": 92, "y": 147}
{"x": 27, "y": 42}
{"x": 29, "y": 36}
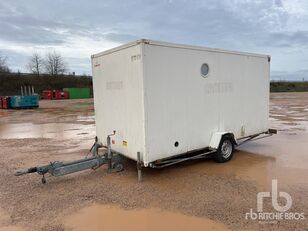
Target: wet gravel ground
{"x": 221, "y": 192}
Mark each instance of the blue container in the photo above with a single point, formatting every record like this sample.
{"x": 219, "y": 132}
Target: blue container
{"x": 26, "y": 101}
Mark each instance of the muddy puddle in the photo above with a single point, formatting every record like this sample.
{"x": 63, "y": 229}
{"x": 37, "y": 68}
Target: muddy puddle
{"x": 102, "y": 217}
{"x": 283, "y": 156}
{"x": 48, "y": 130}
{"x": 65, "y": 119}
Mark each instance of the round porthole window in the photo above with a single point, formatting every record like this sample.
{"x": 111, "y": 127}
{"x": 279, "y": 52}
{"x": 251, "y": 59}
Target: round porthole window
{"x": 205, "y": 70}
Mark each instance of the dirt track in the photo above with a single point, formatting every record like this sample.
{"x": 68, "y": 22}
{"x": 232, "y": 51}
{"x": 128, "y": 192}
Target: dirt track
{"x": 220, "y": 193}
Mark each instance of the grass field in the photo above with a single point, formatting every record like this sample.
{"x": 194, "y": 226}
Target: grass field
{"x": 285, "y": 86}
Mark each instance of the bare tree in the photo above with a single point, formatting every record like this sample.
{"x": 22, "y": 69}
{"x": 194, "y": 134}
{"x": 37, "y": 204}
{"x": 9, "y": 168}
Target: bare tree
{"x": 35, "y": 64}
{"x": 54, "y": 64}
{"x": 4, "y": 68}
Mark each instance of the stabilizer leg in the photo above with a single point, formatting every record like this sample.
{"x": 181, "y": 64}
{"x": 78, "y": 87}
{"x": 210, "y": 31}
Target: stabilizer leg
{"x": 139, "y": 167}
{"x": 113, "y": 160}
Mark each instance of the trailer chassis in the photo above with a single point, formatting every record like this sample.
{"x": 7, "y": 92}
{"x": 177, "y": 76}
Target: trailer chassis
{"x": 205, "y": 152}
{"x": 113, "y": 159}
{"x": 59, "y": 168}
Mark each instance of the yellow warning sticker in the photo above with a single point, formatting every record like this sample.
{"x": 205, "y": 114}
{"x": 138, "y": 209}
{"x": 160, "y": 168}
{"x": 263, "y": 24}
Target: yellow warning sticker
{"x": 124, "y": 143}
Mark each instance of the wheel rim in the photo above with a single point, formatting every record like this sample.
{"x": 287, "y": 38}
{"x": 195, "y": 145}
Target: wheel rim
{"x": 226, "y": 149}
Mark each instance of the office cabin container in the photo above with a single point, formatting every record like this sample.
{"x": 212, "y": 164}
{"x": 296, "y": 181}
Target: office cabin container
{"x": 78, "y": 93}
{"x": 24, "y": 101}
{"x": 164, "y": 99}
{"x": 55, "y": 94}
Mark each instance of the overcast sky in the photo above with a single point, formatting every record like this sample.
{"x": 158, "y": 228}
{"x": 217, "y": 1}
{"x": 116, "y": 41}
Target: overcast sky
{"x": 80, "y": 28}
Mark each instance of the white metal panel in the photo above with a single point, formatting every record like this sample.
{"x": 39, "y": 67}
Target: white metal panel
{"x": 199, "y": 48}
{"x": 182, "y": 106}
{"x": 245, "y": 110}
{"x": 118, "y": 99}
{"x": 176, "y": 106}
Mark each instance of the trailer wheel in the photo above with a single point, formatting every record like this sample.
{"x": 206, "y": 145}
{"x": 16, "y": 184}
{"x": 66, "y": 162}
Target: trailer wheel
{"x": 225, "y": 150}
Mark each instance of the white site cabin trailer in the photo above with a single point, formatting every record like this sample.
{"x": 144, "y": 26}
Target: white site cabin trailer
{"x": 165, "y": 99}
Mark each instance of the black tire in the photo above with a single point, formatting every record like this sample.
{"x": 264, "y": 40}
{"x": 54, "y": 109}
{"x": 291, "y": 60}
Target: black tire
{"x": 225, "y": 150}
